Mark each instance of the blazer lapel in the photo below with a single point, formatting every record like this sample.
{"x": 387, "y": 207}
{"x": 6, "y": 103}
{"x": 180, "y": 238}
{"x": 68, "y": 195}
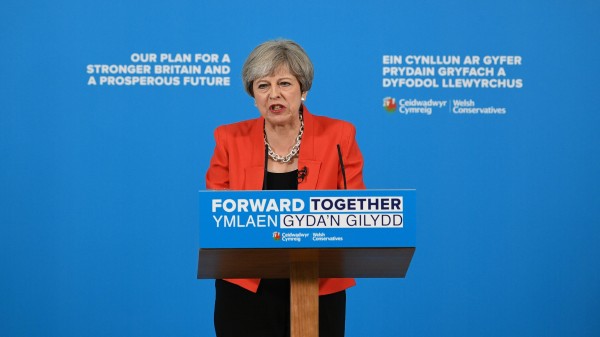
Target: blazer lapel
{"x": 254, "y": 173}
{"x": 307, "y": 155}
{"x": 254, "y": 178}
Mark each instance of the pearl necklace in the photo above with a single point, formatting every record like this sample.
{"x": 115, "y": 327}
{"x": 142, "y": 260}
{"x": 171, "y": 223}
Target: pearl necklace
{"x": 295, "y": 149}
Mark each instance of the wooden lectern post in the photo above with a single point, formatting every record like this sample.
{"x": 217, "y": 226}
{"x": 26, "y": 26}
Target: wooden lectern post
{"x": 304, "y": 299}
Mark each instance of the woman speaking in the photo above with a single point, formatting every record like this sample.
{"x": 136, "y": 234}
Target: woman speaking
{"x": 285, "y": 148}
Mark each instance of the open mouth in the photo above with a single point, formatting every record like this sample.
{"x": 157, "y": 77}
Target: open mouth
{"x": 276, "y": 108}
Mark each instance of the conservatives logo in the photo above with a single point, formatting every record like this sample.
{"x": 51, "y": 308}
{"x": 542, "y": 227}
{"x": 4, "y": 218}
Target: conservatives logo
{"x": 276, "y": 236}
{"x": 389, "y": 104}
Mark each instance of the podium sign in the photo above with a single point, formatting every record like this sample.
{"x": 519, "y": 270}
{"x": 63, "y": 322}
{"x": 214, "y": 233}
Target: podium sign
{"x": 307, "y": 219}
{"x": 351, "y": 233}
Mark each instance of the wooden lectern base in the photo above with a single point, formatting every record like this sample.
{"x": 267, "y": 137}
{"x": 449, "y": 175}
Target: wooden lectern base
{"x": 304, "y": 267}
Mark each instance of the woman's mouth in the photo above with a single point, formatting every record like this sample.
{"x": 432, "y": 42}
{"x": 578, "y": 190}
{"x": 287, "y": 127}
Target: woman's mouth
{"x": 276, "y": 108}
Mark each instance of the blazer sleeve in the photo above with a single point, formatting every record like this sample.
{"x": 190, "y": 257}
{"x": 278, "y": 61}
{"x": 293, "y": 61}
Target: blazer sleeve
{"x": 353, "y": 160}
{"x": 217, "y": 176}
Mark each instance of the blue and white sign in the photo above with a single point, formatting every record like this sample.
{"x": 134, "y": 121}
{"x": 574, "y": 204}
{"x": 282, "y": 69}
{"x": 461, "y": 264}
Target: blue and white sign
{"x": 307, "y": 219}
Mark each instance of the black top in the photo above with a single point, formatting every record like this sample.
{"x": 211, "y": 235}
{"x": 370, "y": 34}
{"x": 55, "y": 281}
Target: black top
{"x": 282, "y": 181}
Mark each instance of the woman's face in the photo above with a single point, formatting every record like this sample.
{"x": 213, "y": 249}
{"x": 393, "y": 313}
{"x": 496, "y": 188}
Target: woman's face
{"x": 278, "y": 97}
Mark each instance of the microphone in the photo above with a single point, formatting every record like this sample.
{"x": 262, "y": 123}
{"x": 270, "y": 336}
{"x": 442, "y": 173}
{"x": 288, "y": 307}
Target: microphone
{"x": 302, "y": 173}
{"x": 342, "y": 165}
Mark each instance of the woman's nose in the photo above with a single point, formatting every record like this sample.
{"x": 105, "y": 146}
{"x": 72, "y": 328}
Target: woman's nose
{"x": 274, "y": 92}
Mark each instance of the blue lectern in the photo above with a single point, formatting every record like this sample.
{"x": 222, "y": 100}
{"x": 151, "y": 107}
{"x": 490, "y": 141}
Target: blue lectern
{"x": 304, "y": 235}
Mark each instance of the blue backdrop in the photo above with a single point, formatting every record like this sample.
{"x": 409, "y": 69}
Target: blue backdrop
{"x": 98, "y": 201}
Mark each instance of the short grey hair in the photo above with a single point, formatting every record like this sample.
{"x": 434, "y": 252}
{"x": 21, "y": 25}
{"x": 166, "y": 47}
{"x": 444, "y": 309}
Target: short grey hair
{"x": 267, "y": 57}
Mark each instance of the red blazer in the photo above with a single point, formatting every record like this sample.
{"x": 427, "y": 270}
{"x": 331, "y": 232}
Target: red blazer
{"x": 238, "y": 164}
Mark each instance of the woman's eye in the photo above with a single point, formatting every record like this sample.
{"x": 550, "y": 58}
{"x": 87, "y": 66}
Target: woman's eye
{"x": 262, "y": 86}
{"x": 284, "y": 84}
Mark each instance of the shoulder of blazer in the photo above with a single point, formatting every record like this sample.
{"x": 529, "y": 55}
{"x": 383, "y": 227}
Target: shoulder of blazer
{"x": 245, "y": 140}
{"x": 244, "y": 145}
{"x": 316, "y": 126}
{"x": 244, "y": 128}
{"x": 327, "y": 129}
